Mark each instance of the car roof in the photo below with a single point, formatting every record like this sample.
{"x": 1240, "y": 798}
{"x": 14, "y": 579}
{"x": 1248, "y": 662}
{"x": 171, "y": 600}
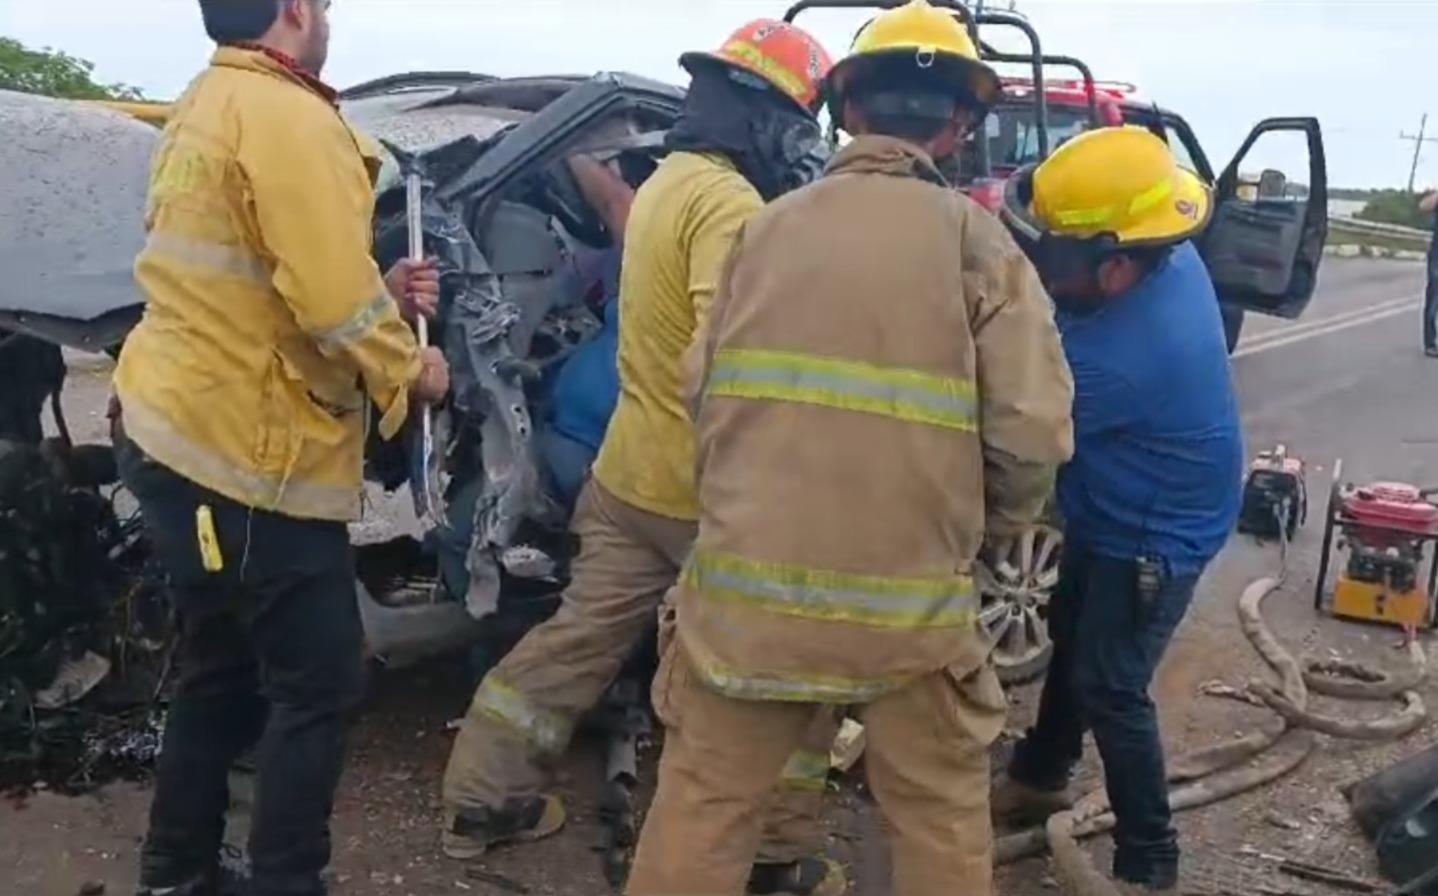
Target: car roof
{"x": 72, "y": 201}
{"x": 71, "y": 217}
{"x": 424, "y": 109}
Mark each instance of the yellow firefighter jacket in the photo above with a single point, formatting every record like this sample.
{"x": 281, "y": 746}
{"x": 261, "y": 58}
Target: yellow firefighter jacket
{"x": 268, "y": 330}
{"x": 881, "y": 382}
{"x": 681, "y": 229}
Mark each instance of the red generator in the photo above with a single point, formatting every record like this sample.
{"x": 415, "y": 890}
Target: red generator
{"x": 1384, "y": 530}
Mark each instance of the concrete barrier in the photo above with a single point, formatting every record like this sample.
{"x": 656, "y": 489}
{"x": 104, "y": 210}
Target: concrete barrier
{"x": 1352, "y": 250}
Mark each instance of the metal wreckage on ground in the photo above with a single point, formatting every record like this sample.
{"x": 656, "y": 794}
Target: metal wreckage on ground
{"x": 84, "y": 634}
{"x": 84, "y": 631}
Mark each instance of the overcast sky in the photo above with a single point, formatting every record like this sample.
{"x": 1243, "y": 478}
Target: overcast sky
{"x": 1364, "y": 67}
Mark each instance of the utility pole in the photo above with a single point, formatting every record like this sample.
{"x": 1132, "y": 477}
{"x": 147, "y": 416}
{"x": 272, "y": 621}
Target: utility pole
{"x": 1418, "y": 142}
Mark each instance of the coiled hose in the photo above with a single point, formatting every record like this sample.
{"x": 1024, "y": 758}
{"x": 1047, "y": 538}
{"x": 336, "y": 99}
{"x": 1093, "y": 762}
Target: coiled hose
{"x": 1217, "y": 773}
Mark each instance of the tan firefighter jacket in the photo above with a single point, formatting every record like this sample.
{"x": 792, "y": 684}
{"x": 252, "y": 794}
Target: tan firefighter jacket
{"x": 881, "y": 382}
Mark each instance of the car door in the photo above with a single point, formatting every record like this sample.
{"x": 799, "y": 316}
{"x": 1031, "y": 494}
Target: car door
{"x": 1265, "y": 240}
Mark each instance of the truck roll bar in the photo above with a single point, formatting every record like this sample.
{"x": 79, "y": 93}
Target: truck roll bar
{"x": 973, "y": 21}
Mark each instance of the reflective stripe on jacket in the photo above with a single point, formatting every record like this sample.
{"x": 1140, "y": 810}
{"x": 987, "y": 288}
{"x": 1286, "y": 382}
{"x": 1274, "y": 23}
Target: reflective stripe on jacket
{"x": 881, "y": 381}
{"x": 268, "y": 331}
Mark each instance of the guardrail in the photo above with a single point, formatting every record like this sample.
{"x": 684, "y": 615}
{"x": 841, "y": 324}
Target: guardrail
{"x": 1388, "y": 239}
{"x": 1352, "y": 238}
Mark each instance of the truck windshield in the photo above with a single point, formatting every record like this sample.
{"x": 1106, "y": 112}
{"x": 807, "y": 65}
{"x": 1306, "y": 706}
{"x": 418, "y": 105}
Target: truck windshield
{"x": 1014, "y": 137}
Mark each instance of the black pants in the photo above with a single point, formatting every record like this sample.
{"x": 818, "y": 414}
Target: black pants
{"x": 270, "y": 653}
{"x": 1430, "y": 301}
{"x": 1107, "y": 645}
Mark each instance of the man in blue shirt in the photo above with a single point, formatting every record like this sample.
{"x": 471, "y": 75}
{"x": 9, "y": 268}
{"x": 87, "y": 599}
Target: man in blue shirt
{"x": 583, "y": 397}
{"x": 1154, "y": 486}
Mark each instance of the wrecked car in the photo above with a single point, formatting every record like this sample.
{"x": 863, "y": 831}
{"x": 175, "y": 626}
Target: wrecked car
{"x": 84, "y": 630}
{"x": 508, "y": 221}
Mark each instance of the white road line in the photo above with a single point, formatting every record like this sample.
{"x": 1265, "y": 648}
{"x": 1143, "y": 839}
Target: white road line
{"x": 1288, "y": 329}
{"x": 1327, "y": 325}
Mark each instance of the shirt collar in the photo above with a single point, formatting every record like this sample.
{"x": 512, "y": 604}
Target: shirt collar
{"x": 293, "y": 68}
{"x": 875, "y": 154}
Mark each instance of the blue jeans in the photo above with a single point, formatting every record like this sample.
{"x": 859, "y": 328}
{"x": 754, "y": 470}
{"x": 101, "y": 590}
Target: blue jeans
{"x": 1108, "y": 641}
{"x": 1430, "y": 302}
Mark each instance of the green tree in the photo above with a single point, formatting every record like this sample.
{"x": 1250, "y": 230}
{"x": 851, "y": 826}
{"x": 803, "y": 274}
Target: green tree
{"x": 1396, "y": 207}
{"x": 52, "y": 73}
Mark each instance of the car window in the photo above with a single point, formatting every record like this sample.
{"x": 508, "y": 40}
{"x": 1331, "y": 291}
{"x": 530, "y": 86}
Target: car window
{"x": 1179, "y": 148}
{"x": 1013, "y": 134}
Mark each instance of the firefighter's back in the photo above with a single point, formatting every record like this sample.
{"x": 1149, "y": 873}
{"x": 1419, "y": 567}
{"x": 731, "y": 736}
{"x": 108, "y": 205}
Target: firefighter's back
{"x": 842, "y": 473}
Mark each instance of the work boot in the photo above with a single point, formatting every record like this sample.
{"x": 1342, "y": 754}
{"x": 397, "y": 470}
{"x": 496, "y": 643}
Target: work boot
{"x": 229, "y": 877}
{"x": 806, "y": 877}
{"x": 1155, "y": 879}
{"x": 199, "y": 886}
{"x": 1129, "y": 888}
{"x": 1016, "y": 804}
{"x": 471, "y": 832}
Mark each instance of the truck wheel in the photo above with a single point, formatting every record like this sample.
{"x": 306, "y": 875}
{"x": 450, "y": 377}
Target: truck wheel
{"x": 1232, "y": 325}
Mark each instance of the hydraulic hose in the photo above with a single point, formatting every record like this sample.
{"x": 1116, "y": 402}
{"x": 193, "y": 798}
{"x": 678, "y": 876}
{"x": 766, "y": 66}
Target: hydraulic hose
{"x": 1216, "y": 773}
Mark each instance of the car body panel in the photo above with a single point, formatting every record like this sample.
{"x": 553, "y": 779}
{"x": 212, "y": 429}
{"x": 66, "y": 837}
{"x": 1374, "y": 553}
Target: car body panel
{"x": 71, "y": 224}
{"x": 501, "y": 294}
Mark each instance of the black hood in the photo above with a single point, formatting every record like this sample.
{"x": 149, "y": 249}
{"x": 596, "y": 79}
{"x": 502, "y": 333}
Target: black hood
{"x": 765, "y": 135}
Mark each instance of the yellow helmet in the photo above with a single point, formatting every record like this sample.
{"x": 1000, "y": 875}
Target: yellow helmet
{"x": 933, "y": 38}
{"x": 1122, "y": 181}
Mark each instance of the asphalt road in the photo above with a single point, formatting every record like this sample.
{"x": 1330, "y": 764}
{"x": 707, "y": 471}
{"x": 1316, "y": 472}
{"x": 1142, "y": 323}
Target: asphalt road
{"x": 1349, "y": 379}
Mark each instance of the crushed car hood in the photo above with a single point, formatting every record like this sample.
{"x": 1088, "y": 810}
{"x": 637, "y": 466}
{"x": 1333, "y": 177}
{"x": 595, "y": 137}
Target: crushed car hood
{"x": 72, "y": 200}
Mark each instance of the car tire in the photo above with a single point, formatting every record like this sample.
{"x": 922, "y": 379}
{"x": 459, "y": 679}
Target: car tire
{"x": 1232, "y": 325}
{"x": 1015, "y": 591}
{"x": 1014, "y": 676}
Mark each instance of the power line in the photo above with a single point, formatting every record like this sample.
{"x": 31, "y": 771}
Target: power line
{"x": 1418, "y": 141}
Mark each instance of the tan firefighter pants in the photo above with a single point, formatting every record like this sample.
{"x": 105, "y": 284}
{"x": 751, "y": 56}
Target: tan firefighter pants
{"x": 526, "y": 707}
{"x": 927, "y": 763}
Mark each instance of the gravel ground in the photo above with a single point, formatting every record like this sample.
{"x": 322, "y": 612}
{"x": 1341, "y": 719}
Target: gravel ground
{"x": 385, "y": 832}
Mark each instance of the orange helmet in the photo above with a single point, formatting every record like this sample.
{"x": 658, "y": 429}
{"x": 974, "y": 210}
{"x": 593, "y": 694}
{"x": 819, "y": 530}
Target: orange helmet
{"x": 786, "y": 57}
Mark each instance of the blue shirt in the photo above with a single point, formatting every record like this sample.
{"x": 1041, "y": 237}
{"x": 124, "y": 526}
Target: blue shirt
{"x": 1158, "y": 460}
{"x": 587, "y": 388}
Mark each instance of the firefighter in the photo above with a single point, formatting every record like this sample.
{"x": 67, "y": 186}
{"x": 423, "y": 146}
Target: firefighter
{"x": 749, "y": 119}
{"x": 1153, "y": 490}
{"x": 244, "y": 396}
{"x": 864, "y": 329}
